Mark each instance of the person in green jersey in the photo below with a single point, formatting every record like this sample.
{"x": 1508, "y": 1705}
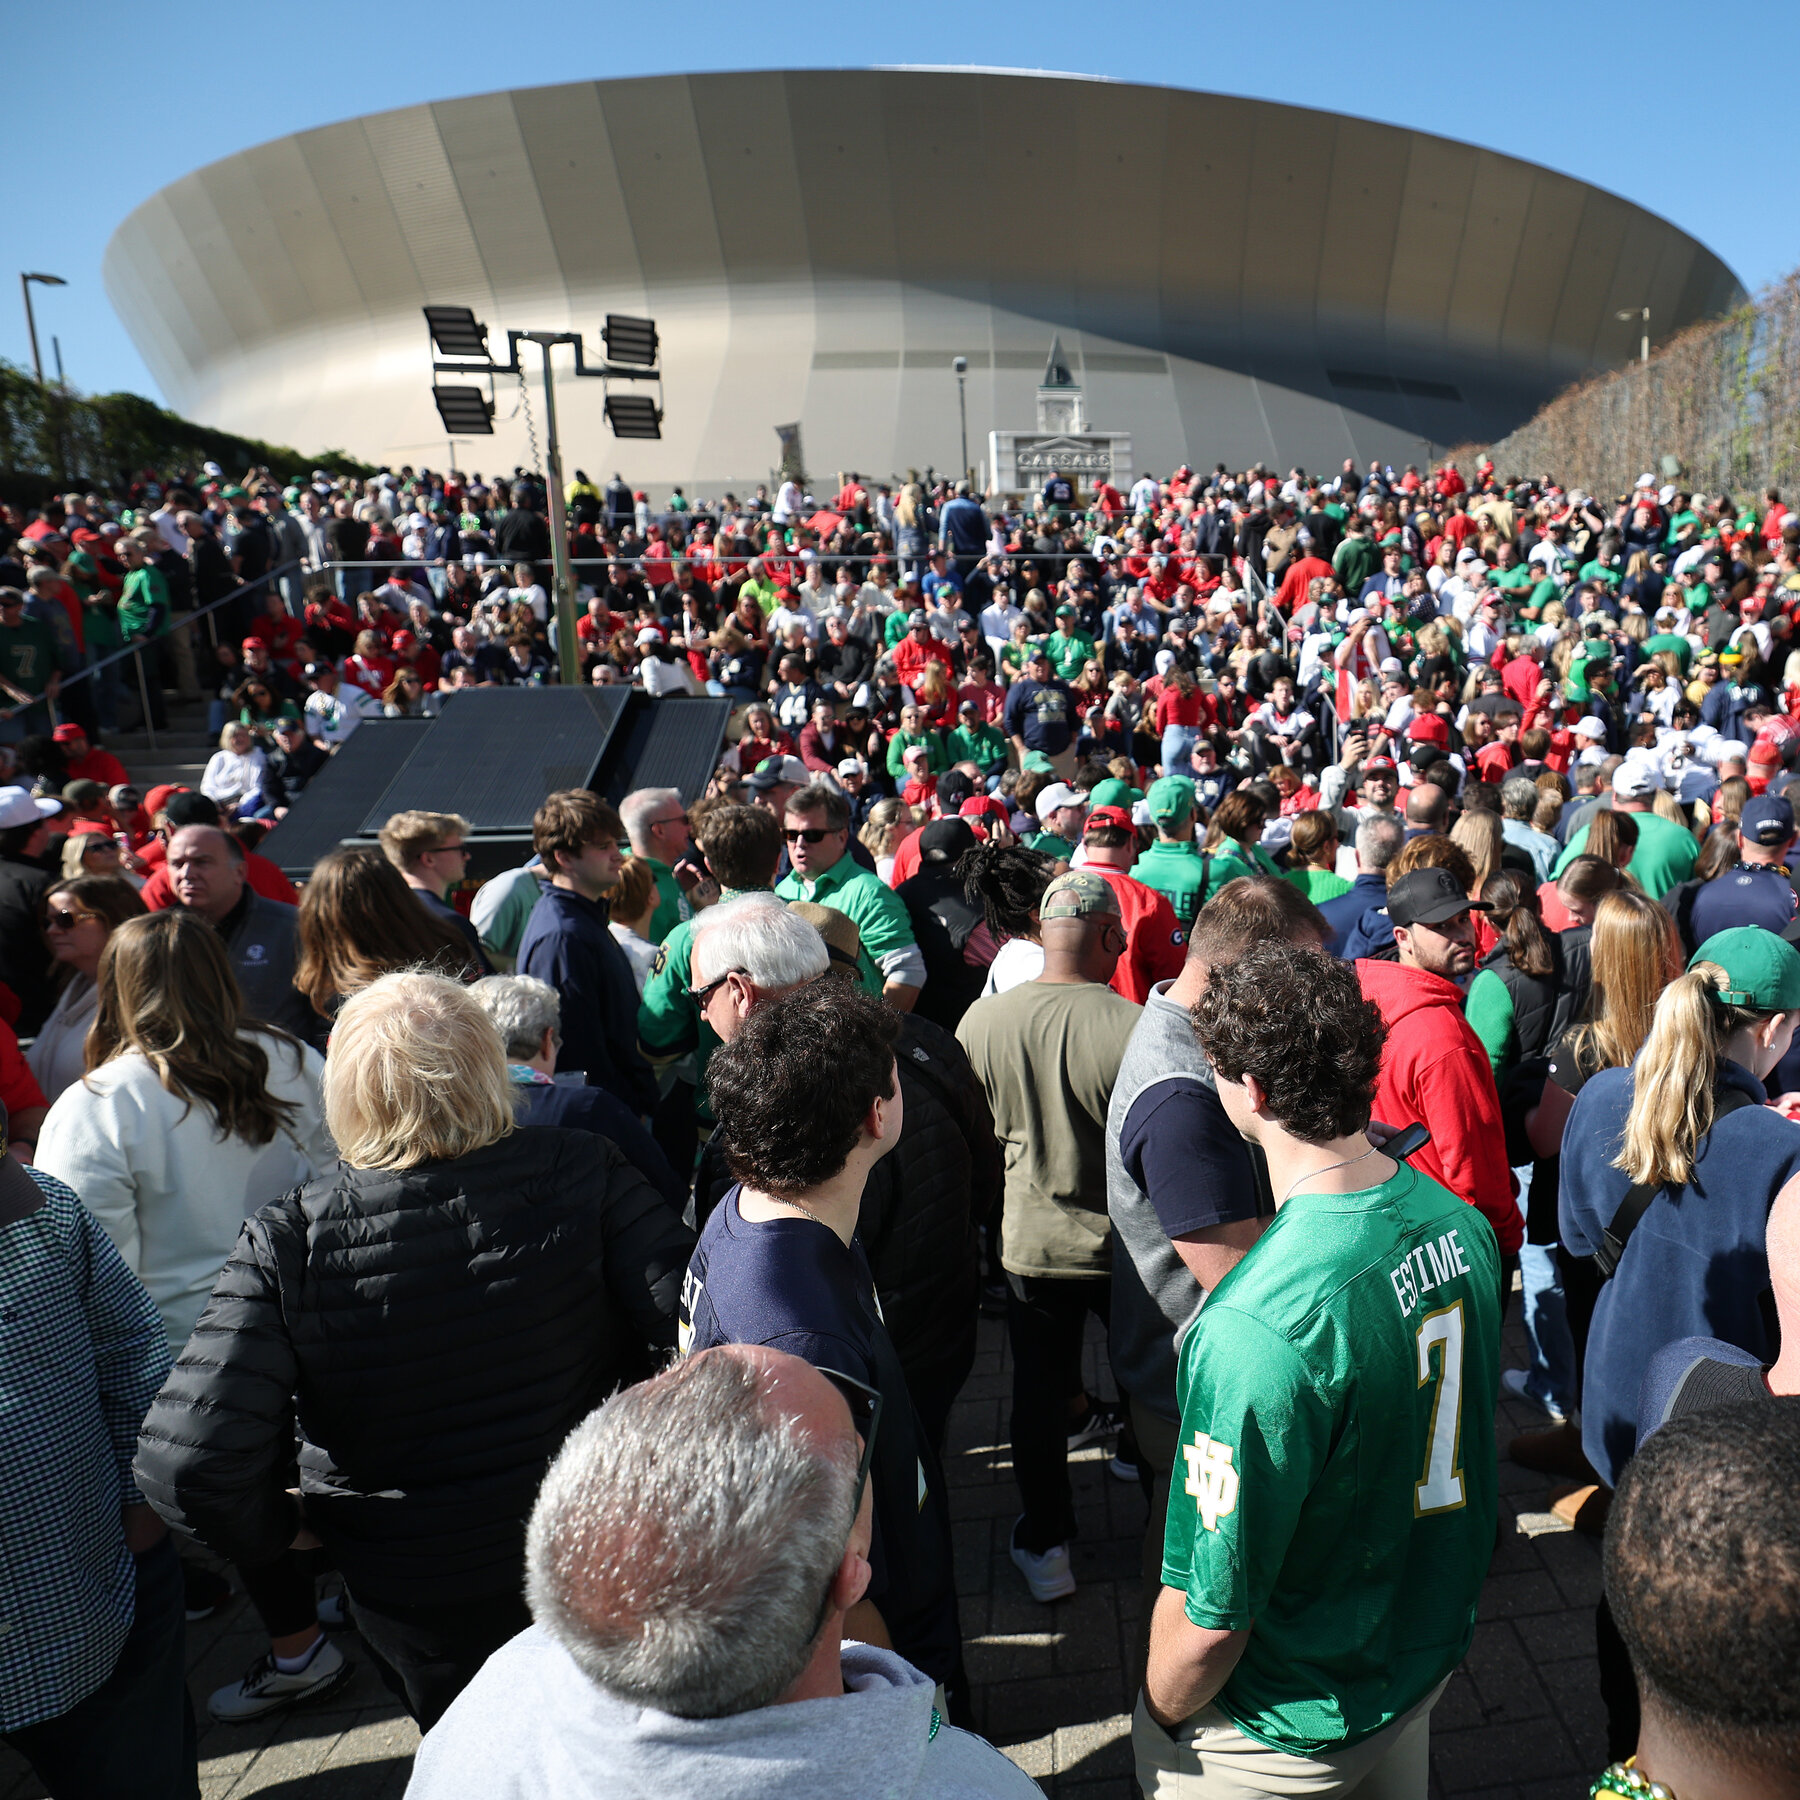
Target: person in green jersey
{"x": 655, "y": 820}
{"x": 1068, "y": 648}
{"x": 975, "y": 741}
{"x": 1332, "y": 1511}
{"x": 28, "y": 668}
{"x": 1665, "y": 853}
{"x": 1062, "y": 812}
{"x": 1186, "y": 876}
{"x": 742, "y": 847}
{"x": 816, "y": 827}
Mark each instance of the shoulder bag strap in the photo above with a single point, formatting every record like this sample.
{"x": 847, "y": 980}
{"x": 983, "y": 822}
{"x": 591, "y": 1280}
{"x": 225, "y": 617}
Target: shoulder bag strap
{"x": 1637, "y": 1200}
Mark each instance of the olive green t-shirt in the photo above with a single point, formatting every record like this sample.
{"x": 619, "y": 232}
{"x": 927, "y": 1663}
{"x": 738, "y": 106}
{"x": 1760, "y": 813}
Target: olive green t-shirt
{"x": 1048, "y": 1054}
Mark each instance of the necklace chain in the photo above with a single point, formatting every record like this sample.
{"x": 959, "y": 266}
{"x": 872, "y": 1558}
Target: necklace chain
{"x": 1314, "y": 1174}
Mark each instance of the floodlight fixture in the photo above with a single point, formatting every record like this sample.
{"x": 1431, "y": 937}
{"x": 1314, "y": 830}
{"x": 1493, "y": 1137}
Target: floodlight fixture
{"x": 465, "y": 411}
{"x": 630, "y": 340}
{"x": 633, "y": 416}
{"x": 457, "y": 332}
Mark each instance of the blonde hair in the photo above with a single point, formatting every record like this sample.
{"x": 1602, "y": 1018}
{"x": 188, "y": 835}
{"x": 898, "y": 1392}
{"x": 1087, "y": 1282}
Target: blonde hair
{"x": 409, "y": 835}
{"x": 636, "y": 890}
{"x": 417, "y": 1073}
{"x": 1636, "y": 953}
{"x": 1478, "y": 836}
{"x": 1672, "y": 1087}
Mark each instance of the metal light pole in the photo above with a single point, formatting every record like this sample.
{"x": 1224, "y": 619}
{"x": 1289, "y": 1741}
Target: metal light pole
{"x": 1643, "y": 313}
{"x": 961, "y": 365}
{"x": 25, "y": 281}
{"x": 564, "y": 578}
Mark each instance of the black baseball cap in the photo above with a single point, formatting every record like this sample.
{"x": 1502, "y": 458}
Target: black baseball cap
{"x": 1429, "y": 897}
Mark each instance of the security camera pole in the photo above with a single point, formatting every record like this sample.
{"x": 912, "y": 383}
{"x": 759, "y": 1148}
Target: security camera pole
{"x": 961, "y": 365}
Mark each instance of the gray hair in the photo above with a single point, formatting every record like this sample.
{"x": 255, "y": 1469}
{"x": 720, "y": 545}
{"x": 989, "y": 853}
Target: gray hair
{"x": 683, "y": 1541}
{"x": 637, "y": 809}
{"x": 756, "y": 936}
{"x": 522, "y": 1008}
{"x": 1378, "y": 842}
{"x": 1518, "y": 797}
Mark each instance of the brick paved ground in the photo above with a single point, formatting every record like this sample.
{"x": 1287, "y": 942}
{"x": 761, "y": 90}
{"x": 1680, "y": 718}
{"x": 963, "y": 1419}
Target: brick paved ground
{"x": 1520, "y": 1720}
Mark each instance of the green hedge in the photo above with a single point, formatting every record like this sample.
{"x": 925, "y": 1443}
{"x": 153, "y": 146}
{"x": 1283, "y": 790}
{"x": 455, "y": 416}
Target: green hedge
{"x": 51, "y": 440}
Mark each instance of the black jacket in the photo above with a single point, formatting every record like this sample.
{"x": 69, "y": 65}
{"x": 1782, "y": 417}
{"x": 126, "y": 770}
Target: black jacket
{"x": 24, "y": 962}
{"x": 433, "y": 1334}
{"x": 523, "y": 536}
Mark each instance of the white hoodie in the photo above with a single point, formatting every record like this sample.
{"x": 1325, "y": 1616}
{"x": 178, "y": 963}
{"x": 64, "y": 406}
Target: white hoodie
{"x": 531, "y": 1726}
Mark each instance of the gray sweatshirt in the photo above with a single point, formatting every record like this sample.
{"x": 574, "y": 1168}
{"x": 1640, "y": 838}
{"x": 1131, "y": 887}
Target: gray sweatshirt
{"x": 531, "y": 1726}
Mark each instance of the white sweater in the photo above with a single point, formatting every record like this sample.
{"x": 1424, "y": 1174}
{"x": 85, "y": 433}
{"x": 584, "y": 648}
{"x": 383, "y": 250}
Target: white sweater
{"x": 168, "y": 1190}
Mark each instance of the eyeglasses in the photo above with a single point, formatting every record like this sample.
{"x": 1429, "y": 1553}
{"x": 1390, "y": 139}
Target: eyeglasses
{"x": 811, "y": 834}
{"x": 865, "y": 1405}
{"x": 66, "y": 919}
{"x": 701, "y": 995}
{"x": 679, "y": 818}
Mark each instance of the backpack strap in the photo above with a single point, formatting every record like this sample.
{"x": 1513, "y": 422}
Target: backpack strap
{"x": 1637, "y": 1200}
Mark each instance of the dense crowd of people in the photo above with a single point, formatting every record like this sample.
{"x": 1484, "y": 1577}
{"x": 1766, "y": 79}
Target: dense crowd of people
{"x": 1279, "y": 918}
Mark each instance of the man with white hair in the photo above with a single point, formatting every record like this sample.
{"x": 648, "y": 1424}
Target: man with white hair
{"x": 655, "y": 821}
{"x": 747, "y": 951}
{"x": 692, "y": 1653}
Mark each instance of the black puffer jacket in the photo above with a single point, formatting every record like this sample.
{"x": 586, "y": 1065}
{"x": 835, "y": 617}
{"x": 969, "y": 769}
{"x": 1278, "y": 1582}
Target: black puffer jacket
{"x": 925, "y": 1198}
{"x": 434, "y": 1334}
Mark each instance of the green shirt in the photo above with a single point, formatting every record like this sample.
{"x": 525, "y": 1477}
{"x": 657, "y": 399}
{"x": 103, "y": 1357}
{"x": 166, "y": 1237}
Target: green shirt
{"x": 144, "y": 589}
{"x": 669, "y": 1023}
{"x": 1067, "y": 654}
{"x": 877, "y": 911}
{"x": 765, "y": 593}
{"x": 1489, "y": 1010}
{"x": 1356, "y": 560}
{"x": 1318, "y": 885}
{"x": 27, "y": 655}
{"x": 894, "y": 627}
{"x": 1664, "y": 857}
{"x": 1047, "y": 843}
{"x": 1185, "y": 878}
{"x": 671, "y": 903}
{"x": 1335, "y": 1495}
{"x": 984, "y": 746}
{"x": 902, "y": 741}
{"x": 1673, "y": 641}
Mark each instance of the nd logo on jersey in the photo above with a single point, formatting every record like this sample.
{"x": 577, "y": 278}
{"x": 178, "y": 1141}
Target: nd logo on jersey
{"x": 1211, "y": 1479}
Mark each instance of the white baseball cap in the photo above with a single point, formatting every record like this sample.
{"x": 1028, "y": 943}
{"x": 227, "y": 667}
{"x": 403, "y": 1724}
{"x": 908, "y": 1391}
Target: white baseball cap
{"x": 1633, "y": 780}
{"x": 17, "y": 807}
{"x": 1590, "y": 727}
{"x": 1058, "y": 793}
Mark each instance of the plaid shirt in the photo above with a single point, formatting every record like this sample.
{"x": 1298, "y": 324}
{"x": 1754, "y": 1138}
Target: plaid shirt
{"x": 82, "y": 1355}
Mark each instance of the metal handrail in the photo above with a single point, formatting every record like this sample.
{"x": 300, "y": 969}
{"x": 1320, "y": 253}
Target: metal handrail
{"x": 136, "y": 648}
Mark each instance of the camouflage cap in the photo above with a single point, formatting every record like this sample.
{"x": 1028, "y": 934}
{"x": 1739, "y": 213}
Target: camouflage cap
{"x": 1080, "y": 894}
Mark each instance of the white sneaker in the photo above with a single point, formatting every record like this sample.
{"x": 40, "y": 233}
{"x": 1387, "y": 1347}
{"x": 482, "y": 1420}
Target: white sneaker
{"x": 1048, "y": 1575}
{"x": 265, "y": 1687}
{"x": 1512, "y": 1384}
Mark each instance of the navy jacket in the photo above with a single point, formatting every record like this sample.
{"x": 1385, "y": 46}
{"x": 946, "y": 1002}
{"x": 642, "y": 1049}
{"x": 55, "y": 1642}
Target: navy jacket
{"x": 1342, "y": 914}
{"x": 1697, "y": 1264}
{"x": 569, "y": 1106}
{"x": 567, "y": 944}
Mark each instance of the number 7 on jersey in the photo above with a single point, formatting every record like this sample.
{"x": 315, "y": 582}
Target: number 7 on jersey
{"x": 1440, "y": 1489}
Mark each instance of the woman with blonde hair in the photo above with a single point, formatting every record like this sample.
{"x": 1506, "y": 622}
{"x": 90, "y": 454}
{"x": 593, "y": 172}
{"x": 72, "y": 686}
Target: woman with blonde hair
{"x": 889, "y": 824}
{"x": 1478, "y": 836}
{"x": 431, "y": 1318}
{"x": 1669, "y": 1168}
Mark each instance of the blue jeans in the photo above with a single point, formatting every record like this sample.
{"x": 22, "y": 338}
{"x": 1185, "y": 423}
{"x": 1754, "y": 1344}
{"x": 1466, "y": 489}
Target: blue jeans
{"x": 1178, "y": 742}
{"x": 1551, "y": 1378}
{"x": 135, "y": 1733}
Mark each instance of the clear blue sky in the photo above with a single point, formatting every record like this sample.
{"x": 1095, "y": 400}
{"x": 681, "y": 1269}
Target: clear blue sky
{"x": 1677, "y": 107}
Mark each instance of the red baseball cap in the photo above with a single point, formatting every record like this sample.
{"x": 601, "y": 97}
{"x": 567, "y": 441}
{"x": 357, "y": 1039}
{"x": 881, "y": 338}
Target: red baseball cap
{"x": 158, "y": 797}
{"x": 1115, "y": 817}
{"x": 983, "y": 806}
{"x": 255, "y": 643}
{"x": 1429, "y": 728}
{"x": 67, "y": 734}
{"x": 404, "y": 640}
{"x": 1380, "y": 765}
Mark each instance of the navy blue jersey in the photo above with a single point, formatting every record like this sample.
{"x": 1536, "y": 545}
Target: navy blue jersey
{"x": 794, "y": 1285}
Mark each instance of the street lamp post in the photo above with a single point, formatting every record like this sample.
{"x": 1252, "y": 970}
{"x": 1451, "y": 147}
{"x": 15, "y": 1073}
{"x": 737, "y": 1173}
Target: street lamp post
{"x": 564, "y": 577}
{"x": 25, "y": 281}
{"x": 961, "y": 365}
{"x": 1643, "y": 313}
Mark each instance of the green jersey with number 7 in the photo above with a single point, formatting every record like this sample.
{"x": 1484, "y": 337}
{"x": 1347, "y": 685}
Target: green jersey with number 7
{"x": 1335, "y": 1490}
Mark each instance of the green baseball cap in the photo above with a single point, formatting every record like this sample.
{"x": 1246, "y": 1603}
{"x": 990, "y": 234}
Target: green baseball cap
{"x": 1065, "y": 611}
{"x": 1114, "y": 792}
{"x": 1081, "y": 894}
{"x": 1762, "y": 970}
{"x": 232, "y": 493}
{"x": 1170, "y": 798}
{"x": 1035, "y": 762}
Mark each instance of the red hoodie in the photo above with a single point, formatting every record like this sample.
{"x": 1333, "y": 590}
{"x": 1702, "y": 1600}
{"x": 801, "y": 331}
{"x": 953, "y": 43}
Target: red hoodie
{"x": 1435, "y": 1071}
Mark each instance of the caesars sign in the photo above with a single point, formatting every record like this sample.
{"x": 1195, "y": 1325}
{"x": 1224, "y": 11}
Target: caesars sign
{"x": 1092, "y": 457}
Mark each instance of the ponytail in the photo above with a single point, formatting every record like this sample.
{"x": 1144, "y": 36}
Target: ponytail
{"x": 1672, "y": 1091}
{"x": 1007, "y": 882}
{"x": 1515, "y": 918}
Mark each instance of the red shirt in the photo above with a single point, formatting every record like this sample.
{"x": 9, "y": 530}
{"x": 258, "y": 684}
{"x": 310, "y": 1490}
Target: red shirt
{"x": 18, "y": 1086}
{"x": 910, "y": 658}
{"x": 991, "y": 700}
{"x": 1155, "y": 944}
{"x": 101, "y": 766}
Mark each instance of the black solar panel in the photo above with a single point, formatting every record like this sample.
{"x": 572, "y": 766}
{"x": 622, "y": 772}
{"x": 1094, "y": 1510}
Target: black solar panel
{"x": 337, "y": 798}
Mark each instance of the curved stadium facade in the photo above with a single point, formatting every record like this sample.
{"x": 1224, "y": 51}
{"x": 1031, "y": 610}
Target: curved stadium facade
{"x": 1230, "y": 279}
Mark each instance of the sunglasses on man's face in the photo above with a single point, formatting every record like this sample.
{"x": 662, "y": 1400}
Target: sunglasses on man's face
{"x": 812, "y": 834}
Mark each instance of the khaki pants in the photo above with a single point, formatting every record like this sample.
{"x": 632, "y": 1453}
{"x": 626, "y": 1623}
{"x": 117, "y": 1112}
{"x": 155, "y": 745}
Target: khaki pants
{"x": 1208, "y": 1758}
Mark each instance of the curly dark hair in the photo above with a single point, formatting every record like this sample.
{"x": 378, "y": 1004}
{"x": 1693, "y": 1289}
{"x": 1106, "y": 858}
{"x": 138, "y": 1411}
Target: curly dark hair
{"x": 1007, "y": 882}
{"x": 791, "y": 1090}
{"x": 1702, "y": 1570}
{"x": 1296, "y": 1019}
